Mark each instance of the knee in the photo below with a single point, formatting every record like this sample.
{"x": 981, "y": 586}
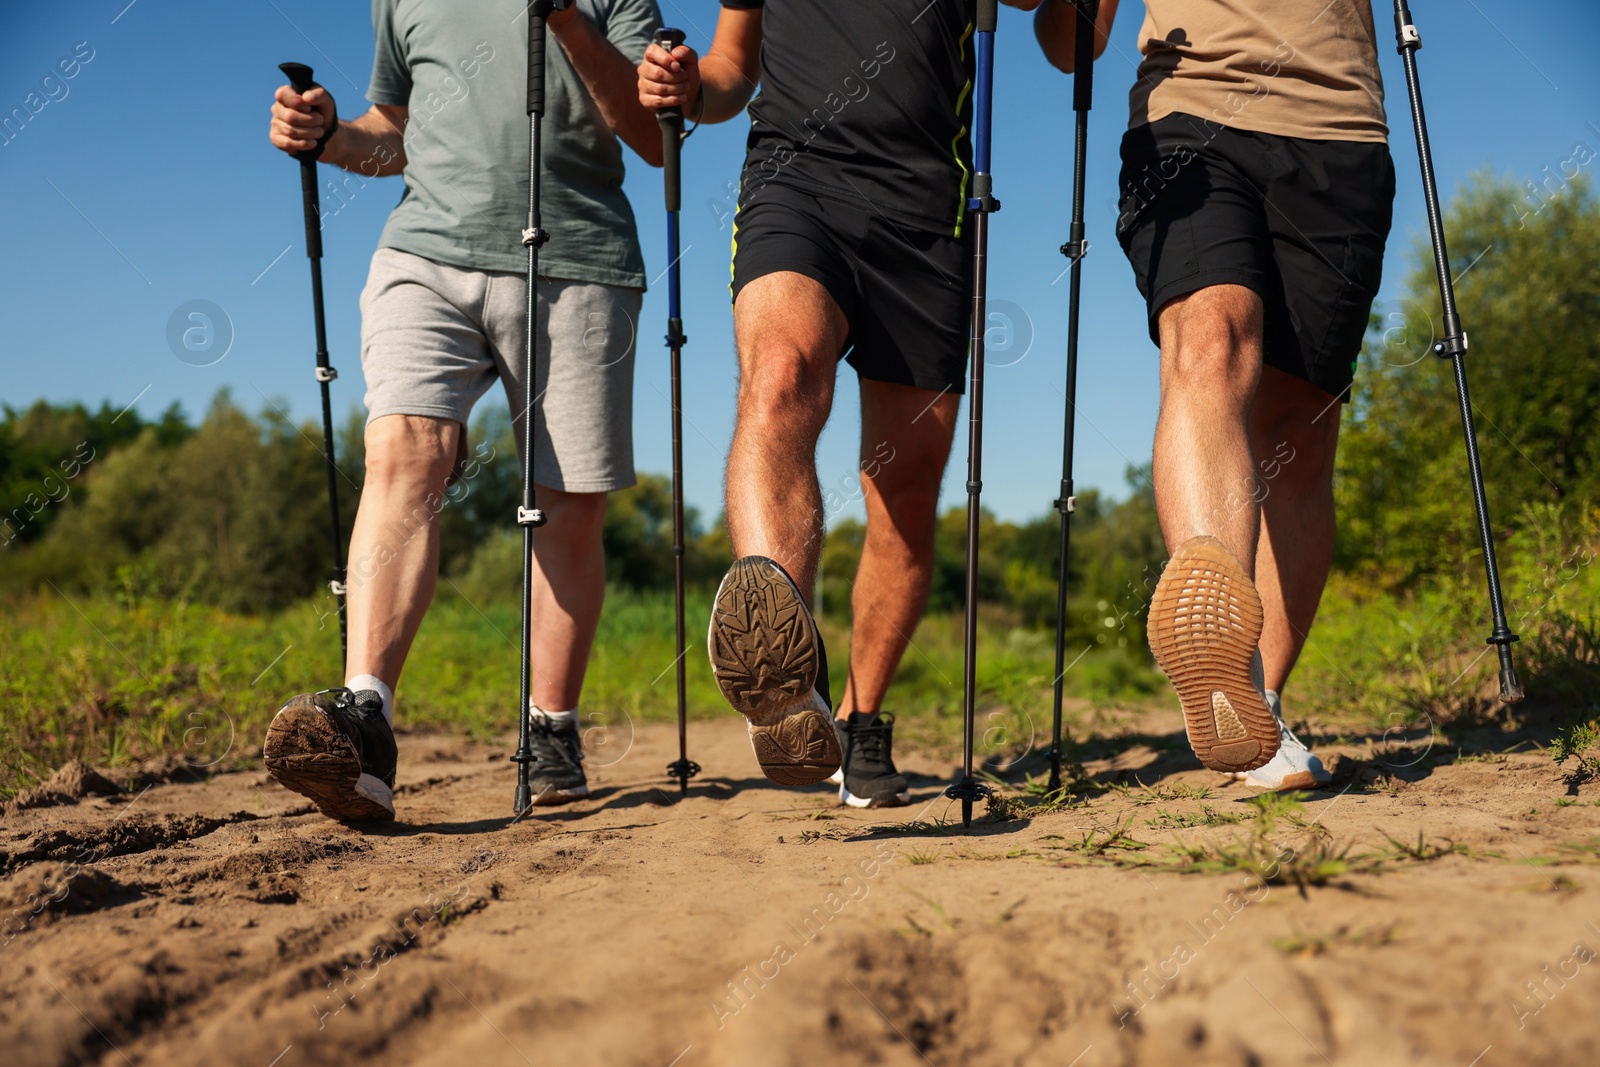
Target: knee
{"x": 779, "y": 383}
{"x": 411, "y": 451}
{"x": 579, "y": 517}
{"x": 1211, "y": 345}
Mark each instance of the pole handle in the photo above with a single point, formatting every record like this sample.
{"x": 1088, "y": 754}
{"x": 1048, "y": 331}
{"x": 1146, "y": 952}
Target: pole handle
{"x": 537, "y": 11}
{"x": 302, "y": 82}
{"x": 988, "y": 16}
{"x": 1088, "y": 12}
{"x": 671, "y": 121}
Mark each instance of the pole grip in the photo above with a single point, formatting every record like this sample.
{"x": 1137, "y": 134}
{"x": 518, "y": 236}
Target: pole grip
{"x": 988, "y": 16}
{"x": 536, "y": 35}
{"x": 671, "y": 121}
{"x": 302, "y": 82}
{"x": 1088, "y": 12}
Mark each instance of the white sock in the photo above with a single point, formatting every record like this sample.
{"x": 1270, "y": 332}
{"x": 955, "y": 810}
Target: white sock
{"x": 558, "y": 717}
{"x": 374, "y": 683}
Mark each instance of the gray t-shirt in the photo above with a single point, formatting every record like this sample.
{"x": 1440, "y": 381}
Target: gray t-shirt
{"x": 461, "y": 67}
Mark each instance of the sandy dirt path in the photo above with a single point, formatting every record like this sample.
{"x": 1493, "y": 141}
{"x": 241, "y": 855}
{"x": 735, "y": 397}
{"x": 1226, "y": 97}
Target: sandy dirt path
{"x": 224, "y": 922}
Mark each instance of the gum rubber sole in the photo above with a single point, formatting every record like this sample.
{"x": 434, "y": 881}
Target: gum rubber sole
{"x": 1205, "y": 624}
{"x": 306, "y": 753}
{"x": 764, "y": 655}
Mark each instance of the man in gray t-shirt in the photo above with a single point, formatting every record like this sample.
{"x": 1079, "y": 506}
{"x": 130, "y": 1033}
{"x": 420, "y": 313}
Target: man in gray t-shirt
{"x": 444, "y": 317}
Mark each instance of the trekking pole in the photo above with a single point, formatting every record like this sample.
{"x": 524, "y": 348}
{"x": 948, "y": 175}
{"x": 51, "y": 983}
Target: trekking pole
{"x": 1075, "y": 249}
{"x": 981, "y": 204}
{"x": 671, "y": 120}
{"x": 1454, "y": 348}
{"x": 529, "y": 517}
{"x": 300, "y": 80}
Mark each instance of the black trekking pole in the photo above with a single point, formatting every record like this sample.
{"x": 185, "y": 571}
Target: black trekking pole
{"x": 1075, "y": 249}
{"x": 671, "y": 120}
{"x": 1454, "y": 348}
{"x": 979, "y": 206}
{"x": 300, "y": 80}
{"x": 529, "y": 517}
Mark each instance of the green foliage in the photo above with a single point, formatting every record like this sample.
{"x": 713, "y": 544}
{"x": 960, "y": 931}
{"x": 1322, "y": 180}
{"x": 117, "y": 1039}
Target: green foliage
{"x": 1528, "y": 290}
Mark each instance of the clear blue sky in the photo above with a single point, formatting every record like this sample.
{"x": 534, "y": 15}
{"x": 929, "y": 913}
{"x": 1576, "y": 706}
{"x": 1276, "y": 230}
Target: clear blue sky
{"x": 151, "y": 184}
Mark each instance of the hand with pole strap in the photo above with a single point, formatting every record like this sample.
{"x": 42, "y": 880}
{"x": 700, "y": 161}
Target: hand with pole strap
{"x": 671, "y": 120}
{"x": 301, "y": 80}
{"x": 1086, "y": 12}
{"x": 980, "y": 206}
{"x": 529, "y": 517}
{"x": 1454, "y": 348}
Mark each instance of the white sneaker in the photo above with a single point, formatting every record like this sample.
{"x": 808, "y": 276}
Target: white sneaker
{"x": 1294, "y": 767}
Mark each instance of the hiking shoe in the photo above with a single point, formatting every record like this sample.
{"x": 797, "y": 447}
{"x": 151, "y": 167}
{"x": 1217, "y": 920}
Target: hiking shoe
{"x": 867, "y": 776}
{"x": 768, "y": 660}
{"x": 1294, "y": 767}
{"x": 336, "y": 748}
{"x": 556, "y": 774}
{"x": 1205, "y": 624}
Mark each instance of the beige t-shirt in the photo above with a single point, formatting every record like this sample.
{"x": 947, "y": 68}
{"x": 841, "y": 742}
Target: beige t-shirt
{"x": 1296, "y": 68}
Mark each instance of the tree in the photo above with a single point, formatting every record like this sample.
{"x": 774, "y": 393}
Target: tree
{"x": 1528, "y": 289}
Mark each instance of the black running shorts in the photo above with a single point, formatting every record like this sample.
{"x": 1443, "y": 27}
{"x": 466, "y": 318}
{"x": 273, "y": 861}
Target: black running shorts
{"x": 904, "y": 291}
{"x": 1301, "y": 222}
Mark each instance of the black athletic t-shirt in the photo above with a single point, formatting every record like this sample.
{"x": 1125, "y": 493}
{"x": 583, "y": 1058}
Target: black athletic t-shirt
{"x": 865, "y": 100}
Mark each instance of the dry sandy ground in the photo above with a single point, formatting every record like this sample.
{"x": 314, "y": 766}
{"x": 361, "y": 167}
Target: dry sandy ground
{"x": 224, "y": 922}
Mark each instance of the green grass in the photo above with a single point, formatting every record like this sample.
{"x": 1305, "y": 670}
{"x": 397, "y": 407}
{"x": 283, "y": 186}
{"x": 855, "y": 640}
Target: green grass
{"x": 120, "y": 679}
{"x": 123, "y": 677}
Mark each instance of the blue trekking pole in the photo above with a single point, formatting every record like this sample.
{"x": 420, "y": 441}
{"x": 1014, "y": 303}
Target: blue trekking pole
{"x": 671, "y": 120}
{"x": 981, "y": 204}
{"x": 1075, "y": 249}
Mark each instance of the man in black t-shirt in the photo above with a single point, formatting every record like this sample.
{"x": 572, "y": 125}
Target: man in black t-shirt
{"x": 848, "y": 242}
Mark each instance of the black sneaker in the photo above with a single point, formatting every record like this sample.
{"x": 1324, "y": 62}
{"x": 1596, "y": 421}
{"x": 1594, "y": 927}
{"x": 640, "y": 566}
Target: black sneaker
{"x": 868, "y": 778}
{"x": 768, "y": 660}
{"x": 336, "y": 748}
{"x": 556, "y": 774}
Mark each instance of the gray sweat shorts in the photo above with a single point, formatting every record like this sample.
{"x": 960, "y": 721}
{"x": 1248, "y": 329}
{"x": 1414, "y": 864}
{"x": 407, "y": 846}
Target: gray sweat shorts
{"x": 435, "y": 337}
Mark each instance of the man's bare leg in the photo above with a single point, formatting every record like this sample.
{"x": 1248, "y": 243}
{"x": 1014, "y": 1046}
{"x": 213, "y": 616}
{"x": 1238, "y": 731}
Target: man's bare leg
{"x": 394, "y": 560}
{"x": 905, "y": 442}
{"x": 790, "y": 334}
{"x": 766, "y": 653}
{"x": 394, "y": 547}
{"x": 1294, "y": 432}
{"x": 569, "y": 587}
{"x": 1205, "y": 479}
{"x": 1206, "y": 616}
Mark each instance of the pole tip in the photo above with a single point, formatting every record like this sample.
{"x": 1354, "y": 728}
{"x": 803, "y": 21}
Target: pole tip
{"x": 523, "y": 803}
{"x": 1511, "y": 691}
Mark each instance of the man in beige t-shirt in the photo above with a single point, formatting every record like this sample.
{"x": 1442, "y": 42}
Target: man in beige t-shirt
{"x": 1256, "y": 189}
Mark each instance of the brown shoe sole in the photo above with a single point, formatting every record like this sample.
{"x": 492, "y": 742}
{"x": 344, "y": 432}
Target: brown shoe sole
{"x": 306, "y": 753}
{"x": 763, "y": 650}
{"x": 1205, "y": 624}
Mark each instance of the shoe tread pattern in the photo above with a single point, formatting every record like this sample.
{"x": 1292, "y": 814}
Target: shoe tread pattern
{"x": 763, "y": 649}
{"x": 799, "y": 749}
{"x": 1205, "y": 624}
{"x": 307, "y": 753}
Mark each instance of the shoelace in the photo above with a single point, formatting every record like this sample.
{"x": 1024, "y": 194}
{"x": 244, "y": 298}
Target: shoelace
{"x": 873, "y": 742}
{"x": 553, "y": 745}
